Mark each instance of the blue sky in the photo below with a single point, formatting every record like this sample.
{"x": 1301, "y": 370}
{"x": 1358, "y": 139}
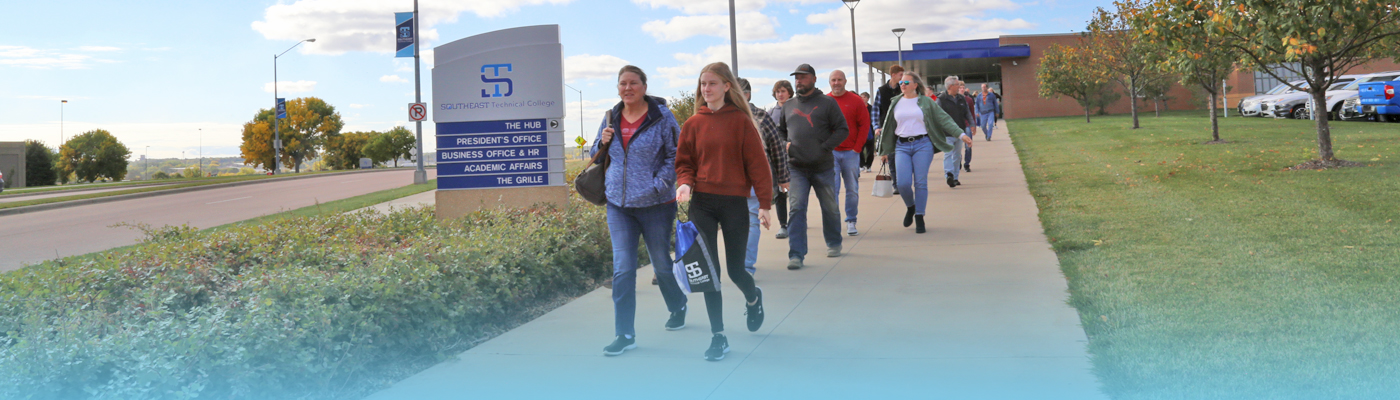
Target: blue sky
{"x": 174, "y": 74}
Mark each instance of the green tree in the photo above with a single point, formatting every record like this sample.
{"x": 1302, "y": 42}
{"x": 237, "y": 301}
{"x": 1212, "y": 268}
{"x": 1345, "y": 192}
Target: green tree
{"x": 93, "y": 155}
{"x": 1155, "y": 86}
{"x": 683, "y": 107}
{"x": 1193, "y": 45}
{"x": 1126, "y": 55}
{"x": 344, "y": 151}
{"x": 393, "y": 145}
{"x": 38, "y": 167}
{"x": 310, "y": 121}
{"x": 1318, "y": 40}
{"x": 1074, "y": 72}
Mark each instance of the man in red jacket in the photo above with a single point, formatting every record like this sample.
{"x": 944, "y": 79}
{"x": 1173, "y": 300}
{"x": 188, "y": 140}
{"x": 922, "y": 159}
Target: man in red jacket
{"x": 847, "y": 154}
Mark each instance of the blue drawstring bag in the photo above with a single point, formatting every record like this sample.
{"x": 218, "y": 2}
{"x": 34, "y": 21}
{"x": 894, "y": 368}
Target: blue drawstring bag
{"x": 695, "y": 270}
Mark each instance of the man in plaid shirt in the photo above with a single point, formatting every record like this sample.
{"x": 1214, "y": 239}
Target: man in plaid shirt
{"x": 776, "y": 147}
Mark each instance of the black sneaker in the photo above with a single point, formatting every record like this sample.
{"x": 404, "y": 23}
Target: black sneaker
{"x": 755, "y": 312}
{"x": 951, "y": 181}
{"x": 719, "y": 345}
{"x": 967, "y": 168}
{"x": 677, "y": 320}
{"x": 919, "y": 224}
{"x": 620, "y": 345}
{"x": 909, "y": 217}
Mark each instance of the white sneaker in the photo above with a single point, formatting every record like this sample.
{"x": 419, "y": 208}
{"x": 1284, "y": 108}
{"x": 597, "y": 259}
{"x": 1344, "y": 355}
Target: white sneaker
{"x": 851, "y": 228}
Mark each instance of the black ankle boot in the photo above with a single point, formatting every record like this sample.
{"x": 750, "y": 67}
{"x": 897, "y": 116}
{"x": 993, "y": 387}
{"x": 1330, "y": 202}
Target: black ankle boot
{"x": 919, "y": 224}
{"x": 909, "y": 217}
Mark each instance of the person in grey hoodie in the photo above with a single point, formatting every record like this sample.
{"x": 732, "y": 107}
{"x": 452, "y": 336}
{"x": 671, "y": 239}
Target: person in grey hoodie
{"x": 814, "y": 126}
{"x": 641, "y": 137}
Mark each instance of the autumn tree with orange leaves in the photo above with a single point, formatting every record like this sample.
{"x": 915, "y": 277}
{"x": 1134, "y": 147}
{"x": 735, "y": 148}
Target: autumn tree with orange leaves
{"x": 1077, "y": 72}
{"x": 1319, "y": 40}
{"x": 1193, "y": 46}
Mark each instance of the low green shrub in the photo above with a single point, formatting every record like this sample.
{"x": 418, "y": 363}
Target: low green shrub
{"x": 309, "y": 308}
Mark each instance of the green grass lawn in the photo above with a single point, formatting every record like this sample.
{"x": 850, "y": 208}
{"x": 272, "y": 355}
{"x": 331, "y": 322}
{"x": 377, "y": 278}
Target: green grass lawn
{"x": 1212, "y": 272}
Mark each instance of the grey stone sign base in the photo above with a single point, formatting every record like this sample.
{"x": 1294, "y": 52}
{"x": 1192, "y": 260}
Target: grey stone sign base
{"x": 457, "y": 203}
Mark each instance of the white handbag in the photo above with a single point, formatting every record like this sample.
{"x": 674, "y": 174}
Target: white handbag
{"x": 884, "y": 184}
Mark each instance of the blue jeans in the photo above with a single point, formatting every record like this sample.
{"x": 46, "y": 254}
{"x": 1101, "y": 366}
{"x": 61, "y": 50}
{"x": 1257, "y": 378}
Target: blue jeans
{"x": 989, "y": 123}
{"x": 848, "y": 171}
{"x": 654, "y": 224}
{"x": 751, "y": 257}
{"x": 801, "y": 184}
{"x": 952, "y": 160}
{"x": 914, "y": 159}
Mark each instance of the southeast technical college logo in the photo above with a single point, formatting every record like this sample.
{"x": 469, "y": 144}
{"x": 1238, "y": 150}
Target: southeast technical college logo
{"x": 497, "y": 80}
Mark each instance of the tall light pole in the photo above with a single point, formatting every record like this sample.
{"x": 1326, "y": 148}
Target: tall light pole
{"x": 733, "y": 41}
{"x": 899, "y": 38}
{"x": 420, "y": 175}
{"x": 581, "y": 128}
{"x": 851, "y": 4}
{"x": 60, "y": 122}
{"x": 276, "y": 122}
{"x": 201, "y": 152}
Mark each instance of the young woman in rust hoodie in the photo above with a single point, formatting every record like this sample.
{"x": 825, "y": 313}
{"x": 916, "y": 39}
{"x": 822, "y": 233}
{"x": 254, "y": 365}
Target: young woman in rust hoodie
{"x": 719, "y": 159}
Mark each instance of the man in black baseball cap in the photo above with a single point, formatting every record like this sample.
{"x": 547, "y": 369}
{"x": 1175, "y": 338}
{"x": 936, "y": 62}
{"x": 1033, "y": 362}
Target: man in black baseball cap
{"x": 814, "y": 127}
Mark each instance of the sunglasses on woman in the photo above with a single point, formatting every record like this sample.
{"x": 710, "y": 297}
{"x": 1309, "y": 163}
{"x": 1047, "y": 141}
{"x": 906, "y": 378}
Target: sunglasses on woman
{"x": 902, "y": 83}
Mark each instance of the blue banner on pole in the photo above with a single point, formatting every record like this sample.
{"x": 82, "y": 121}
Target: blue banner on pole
{"x": 281, "y": 108}
{"x": 404, "y": 32}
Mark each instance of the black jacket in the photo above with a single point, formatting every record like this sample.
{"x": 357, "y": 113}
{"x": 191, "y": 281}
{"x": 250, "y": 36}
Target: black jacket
{"x": 955, "y": 106}
{"x": 883, "y": 98}
{"x": 815, "y": 126}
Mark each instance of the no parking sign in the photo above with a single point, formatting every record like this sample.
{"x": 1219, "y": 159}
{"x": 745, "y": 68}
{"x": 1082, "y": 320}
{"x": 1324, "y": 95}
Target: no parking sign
{"x": 417, "y": 111}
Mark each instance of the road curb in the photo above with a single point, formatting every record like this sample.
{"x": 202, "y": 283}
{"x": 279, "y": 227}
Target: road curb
{"x": 79, "y": 191}
{"x": 106, "y": 199}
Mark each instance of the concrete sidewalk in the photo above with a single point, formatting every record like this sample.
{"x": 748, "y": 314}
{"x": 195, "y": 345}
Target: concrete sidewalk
{"x": 974, "y": 309}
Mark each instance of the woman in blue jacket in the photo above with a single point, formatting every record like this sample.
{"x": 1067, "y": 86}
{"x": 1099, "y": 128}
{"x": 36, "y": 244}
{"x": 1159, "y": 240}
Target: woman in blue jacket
{"x": 640, "y": 135}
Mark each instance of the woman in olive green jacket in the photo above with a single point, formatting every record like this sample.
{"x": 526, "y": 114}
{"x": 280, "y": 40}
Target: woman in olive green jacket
{"x": 913, "y": 131}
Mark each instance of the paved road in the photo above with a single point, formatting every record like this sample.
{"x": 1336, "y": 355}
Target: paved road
{"x": 34, "y": 237}
{"x": 974, "y": 309}
{"x": 74, "y": 192}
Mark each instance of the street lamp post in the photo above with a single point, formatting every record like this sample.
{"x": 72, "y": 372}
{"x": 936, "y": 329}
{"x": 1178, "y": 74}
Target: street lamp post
{"x": 733, "y": 40}
{"x": 201, "y": 152}
{"x": 60, "y": 122}
{"x": 276, "y": 123}
{"x": 851, "y": 4}
{"x": 899, "y": 38}
{"x": 581, "y": 128}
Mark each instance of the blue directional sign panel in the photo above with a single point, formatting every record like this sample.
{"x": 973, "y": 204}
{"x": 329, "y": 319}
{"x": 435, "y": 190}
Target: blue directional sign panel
{"x": 514, "y": 125}
{"x": 493, "y": 154}
{"x": 498, "y": 167}
{"x": 499, "y": 181}
{"x": 492, "y": 140}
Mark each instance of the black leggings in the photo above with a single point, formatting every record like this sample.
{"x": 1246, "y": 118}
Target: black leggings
{"x": 710, "y": 213}
{"x": 867, "y": 154}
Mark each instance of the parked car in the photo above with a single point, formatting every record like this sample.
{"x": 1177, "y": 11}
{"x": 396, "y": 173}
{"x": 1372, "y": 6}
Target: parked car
{"x": 1249, "y": 106}
{"x": 1339, "y": 104}
{"x": 1294, "y": 105}
{"x": 1266, "y": 106}
{"x": 1379, "y": 98}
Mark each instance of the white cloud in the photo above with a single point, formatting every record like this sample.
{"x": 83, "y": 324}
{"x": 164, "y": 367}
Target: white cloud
{"x": 694, "y": 7}
{"x": 340, "y": 26}
{"x": 830, "y": 49}
{"x": 291, "y": 87}
{"x": 358, "y": 106}
{"x": 752, "y": 26}
{"x": 98, "y": 48}
{"x": 392, "y": 78}
{"x": 23, "y": 56}
{"x": 586, "y": 66}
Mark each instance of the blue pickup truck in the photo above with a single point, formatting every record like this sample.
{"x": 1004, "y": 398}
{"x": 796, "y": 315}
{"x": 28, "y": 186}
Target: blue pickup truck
{"x": 1378, "y": 99}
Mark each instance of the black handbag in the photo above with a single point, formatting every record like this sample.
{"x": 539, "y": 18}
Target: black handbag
{"x": 592, "y": 184}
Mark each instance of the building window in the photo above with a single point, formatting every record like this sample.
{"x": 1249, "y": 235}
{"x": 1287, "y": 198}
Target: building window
{"x": 1263, "y": 81}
